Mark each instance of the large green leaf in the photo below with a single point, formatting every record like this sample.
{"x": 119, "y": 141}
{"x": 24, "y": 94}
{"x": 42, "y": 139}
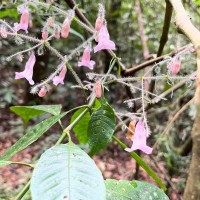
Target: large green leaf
{"x": 81, "y": 127}
{"x": 133, "y": 190}
{"x": 28, "y": 112}
{"x": 67, "y": 172}
{"x": 31, "y": 136}
{"x": 101, "y": 128}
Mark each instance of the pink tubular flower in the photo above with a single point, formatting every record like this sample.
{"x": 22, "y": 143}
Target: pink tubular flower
{"x": 104, "y": 41}
{"x": 24, "y": 20}
{"x": 140, "y": 139}
{"x": 86, "y": 59}
{"x": 174, "y": 66}
{"x": 42, "y": 92}
{"x": 97, "y": 89}
{"x": 99, "y": 23}
{"x": 65, "y": 28}
{"x": 28, "y": 71}
{"x": 60, "y": 78}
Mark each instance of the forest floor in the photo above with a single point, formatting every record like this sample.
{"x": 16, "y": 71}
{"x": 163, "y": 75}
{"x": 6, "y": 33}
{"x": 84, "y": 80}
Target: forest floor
{"x": 114, "y": 162}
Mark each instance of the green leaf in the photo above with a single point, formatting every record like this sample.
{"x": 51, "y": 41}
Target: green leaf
{"x": 9, "y": 12}
{"x": 101, "y": 128}
{"x": 74, "y": 32}
{"x": 31, "y": 136}
{"x": 4, "y": 163}
{"x": 81, "y": 127}
{"x": 67, "y": 172}
{"x": 142, "y": 164}
{"x": 197, "y": 2}
{"x": 126, "y": 190}
{"x": 28, "y": 112}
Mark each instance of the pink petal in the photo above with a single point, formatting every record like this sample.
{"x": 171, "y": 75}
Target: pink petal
{"x": 97, "y": 89}
{"x": 174, "y": 66}
{"x": 60, "y": 78}
{"x": 104, "y": 41}
{"x": 146, "y": 149}
{"x": 85, "y": 61}
{"x": 99, "y": 23}
{"x": 65, "y": 28}
{"x": 28, "y": 71}
{"x": 24, "y": 20}
{"x": 103, "y": 45}
{"x": 139, "y": 139}
{"x": 44, "y": 35}
{"x": 42, "y": 92}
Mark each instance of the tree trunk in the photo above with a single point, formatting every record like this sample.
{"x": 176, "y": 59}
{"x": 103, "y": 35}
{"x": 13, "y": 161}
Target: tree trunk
{"x": 183, "y": 23}
{"x": 192, "y": 190}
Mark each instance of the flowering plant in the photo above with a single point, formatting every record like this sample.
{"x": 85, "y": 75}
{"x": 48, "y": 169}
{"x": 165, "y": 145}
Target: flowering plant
{"x": 65, "y": 171}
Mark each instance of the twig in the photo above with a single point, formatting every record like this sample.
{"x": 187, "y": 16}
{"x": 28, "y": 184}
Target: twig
{"x": 134, "y": 69}
{"x": 79, "y": 14}
{"x": 164, "y": 36}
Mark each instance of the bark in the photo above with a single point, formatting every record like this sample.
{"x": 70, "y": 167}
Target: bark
{"x": 134, "y": 69}
{"x": 192, "y": 190}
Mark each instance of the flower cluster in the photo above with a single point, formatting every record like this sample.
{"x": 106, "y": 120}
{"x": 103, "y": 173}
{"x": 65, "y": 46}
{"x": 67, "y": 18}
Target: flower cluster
{"x": 101, "y": 35}
{"x": 138, "y": 132}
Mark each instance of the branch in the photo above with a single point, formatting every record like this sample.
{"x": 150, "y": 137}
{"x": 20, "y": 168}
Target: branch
{"x": 185, "y": 25}
{"x": 164, "y": 36}
{"x": 134, "y": 69}
{"x": 79, "y": 14}
{"x": 165, "y": 31}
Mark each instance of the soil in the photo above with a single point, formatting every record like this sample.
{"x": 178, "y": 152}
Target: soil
{"x": 114, "y": 162}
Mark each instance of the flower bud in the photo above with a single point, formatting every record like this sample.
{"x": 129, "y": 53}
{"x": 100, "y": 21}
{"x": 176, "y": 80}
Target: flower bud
{"x": 65, "y": 28}
{"x": 174, "y": 66}
{"x": 42, "y": 92}
{"x": 97, "y": 89}
{"x": 98, "y": 23}
{"x": 44, "y": 35}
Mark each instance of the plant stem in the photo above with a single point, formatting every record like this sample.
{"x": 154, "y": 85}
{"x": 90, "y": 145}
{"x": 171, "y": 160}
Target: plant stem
{"x": 69, "y": 128}
{"x": 22, "y": 163}
{"x": 23, "y": 191}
